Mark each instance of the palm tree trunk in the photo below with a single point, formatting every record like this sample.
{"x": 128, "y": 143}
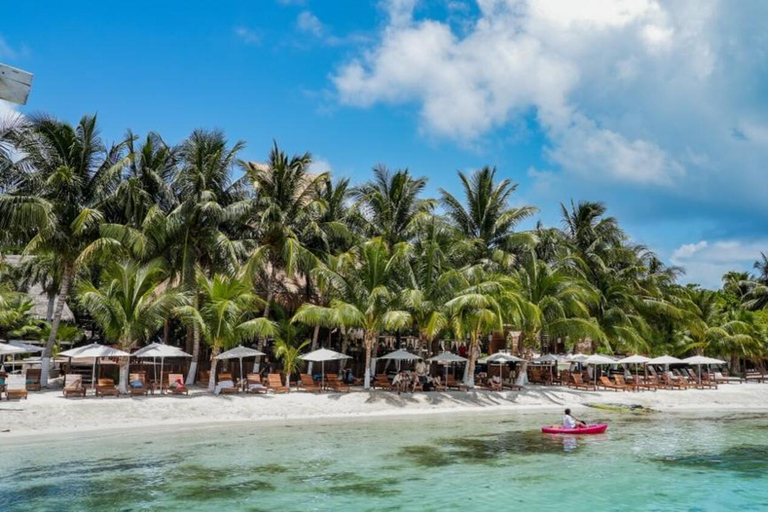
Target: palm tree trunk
{"x": 166, "y": 330}
{"x": 125, "y": 364}
{"x": 66, "y": 278}
{"x": 214, "y": 361}
{"x": 192, "y": 375}
{"x": 369, "y": 339}
{"x": 315, "y": 336}
{"x": 470, "y": 381}
{"x": 270, "y": 298}
{"x": 51, "y": 304}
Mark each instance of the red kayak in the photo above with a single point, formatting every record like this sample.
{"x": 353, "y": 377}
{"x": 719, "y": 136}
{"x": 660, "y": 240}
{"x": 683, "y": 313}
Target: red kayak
{"x": 597, "y": 428}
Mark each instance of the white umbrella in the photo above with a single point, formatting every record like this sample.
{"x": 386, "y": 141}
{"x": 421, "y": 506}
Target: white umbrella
{"x": 400, "y": 355}
{"x": 635, "y": 359}
{"x": 32, "y": 349}
{"x": 576, "y": 358}
{"x": 240, "y": 352}
{"x": 700, "y": 360}
{"x": 665, "y": 360}
{"x": 7, "y": 350}
{"x": 446, "y": 358}
{"x": 322, "y": 355}
{"x": 95, "y": 351}
{"x": 546, "y": 358}
{"x": 502, "y": 358}
{"x": 161, "y": 350}
{"x": 598, "y": 360}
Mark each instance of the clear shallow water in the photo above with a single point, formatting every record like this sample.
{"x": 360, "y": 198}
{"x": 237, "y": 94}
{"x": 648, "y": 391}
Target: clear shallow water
{"x": 442, "y": 462}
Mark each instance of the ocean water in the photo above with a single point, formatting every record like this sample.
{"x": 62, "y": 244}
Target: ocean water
{"x": 446, "y": 462}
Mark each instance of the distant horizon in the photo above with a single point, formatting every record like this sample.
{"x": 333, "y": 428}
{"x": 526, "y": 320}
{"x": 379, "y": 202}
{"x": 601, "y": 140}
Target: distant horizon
{"x": 655, "y": 110}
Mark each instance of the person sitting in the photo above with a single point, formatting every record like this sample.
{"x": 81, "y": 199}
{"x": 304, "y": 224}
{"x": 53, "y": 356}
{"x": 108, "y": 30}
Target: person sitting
{"x": 570, "y": 423}
{"x": 399, "y": 381}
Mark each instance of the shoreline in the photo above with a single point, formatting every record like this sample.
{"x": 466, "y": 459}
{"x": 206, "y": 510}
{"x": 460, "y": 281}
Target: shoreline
{"x": 49, "y": 413}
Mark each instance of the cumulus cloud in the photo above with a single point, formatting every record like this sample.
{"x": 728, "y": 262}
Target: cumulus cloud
{"x": 706, "y": 262}
{"x": 6, "y": 51}
{"x": 309, "y": 23}
{"x": 631, "y": 91}
{"x": 319, "y": 165}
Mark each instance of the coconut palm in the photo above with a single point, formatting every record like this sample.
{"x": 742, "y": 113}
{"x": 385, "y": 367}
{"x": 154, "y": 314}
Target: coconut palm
{"x": 56, "y": 205}
{"x": 130, "y": 305}
{"x": 210, "y": 205}
{"x": 486, "y": 220}
{"x": 225, "y": 316}
{"x": 390, "y": 204}
{"x": 364, "y": 287}
{"x": 289, "y": 354}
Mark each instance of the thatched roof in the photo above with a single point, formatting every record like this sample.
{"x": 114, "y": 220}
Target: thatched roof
{"x": 37, "y": 295}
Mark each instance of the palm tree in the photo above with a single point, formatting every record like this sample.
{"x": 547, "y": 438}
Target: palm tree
{"x": 289, "y": 354}
{"x": 487, "y": 221}
{"x": 390, "y": 204}
{"x": 364, "y": 285}
{"x": 287, "y": 204}
{"x": 56, "y": 205}
{"x": 226, "y": 314}
{"x": 209, "y": 206}
{"x": 130, "y": 305}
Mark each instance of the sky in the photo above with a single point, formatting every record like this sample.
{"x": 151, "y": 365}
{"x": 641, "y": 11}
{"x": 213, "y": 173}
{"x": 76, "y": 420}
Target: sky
{"x": 658, "y": 109}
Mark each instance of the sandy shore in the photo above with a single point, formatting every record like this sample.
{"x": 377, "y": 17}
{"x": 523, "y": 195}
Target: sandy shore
{"x": 48, "y": 412}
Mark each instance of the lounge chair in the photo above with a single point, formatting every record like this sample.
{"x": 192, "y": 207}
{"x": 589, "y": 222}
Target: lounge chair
{"x": 510, "y": 384}
{"x": 754, "y": 376}
{"x": 106, "y": 387}
{"x": 634, "y": 386}
{"x": 137, "y": 384}
{"x": 438, "y": 385}
{"x": 16, "y": 387}
{"x": 671, "y": 382}
{"x": 33, "y": 379}
{"x": 309, "y": 384}
{"x": 606, "y": 383}
{"x": 381, "y": 381}
{"x": 228, "y": 390}
{"x": 176, "y": 384}
{"x": 253, "y": 384}
{"x": 721, "y": 378}
{"x": 578, "y": 383}
{"x": 452, "y": 383}
{"x": 73, "y": 385}
{"x": 333, "y": 382}
{"x": 275, "y": 383}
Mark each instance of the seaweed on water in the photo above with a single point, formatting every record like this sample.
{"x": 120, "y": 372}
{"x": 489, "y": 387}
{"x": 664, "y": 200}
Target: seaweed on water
{"x": 425, "y": 456}
{"x": 747, "y": 460}
{"x": 268, "y": 468}
{"x": 376, "y": 488}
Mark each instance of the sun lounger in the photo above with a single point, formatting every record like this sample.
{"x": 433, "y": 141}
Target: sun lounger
{"x": 672, "y": 382}
{"x": 106, "y": 387}
{"x": 222, "y": 386}
{"x": 275, "y": 383}
{"x": 333, "y": 382}
{"x": 73, "y": 385}
{"x": 452, "y": 383}
{"x": 176, "y": 384}
{"x": 631, "y": 387}
{"x": 578, "y": 383}
{"x": 720, "y": 378}
{"x": 33, "y": 379}
{"x": 511, "y": 385}
{"x": 438, "y": 385}
{"x": 381, "y": 381}
{"x": 309, "y": 384}
{"x": 605, "y": 383}
{"x": 16, "y": 387}
{"x": 754, "y": 376}
{"x": 137, "y": 384}
{"x": 253, "y": 384}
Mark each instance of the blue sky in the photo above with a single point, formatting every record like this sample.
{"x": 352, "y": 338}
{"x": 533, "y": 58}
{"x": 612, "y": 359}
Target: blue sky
{"x": 658, "y": 109}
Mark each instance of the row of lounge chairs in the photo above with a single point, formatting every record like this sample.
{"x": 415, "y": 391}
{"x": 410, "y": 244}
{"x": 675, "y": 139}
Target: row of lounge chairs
{"x": 668, "y": 380}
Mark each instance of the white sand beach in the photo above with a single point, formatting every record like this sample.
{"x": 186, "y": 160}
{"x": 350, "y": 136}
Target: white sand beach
{"x": 49, "y": 412}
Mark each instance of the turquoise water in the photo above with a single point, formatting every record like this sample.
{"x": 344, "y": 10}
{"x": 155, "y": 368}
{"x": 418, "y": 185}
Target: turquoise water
{"x": 486, "y": 461}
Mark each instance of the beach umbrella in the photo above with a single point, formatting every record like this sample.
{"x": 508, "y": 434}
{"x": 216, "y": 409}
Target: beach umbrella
{"x": 95, "y": 351}
{"x": 501, "y": 358}
{"x": 665, "y": 360}
{"x": 322, "y": 355}
{"x": 30, "y": 349}
{"x": 598, "y": 360}
{"x": 700, "y": 360}
{"x": 447, "y": 358}
{"x": 161, "y": 350}
{"x": 239, "y": 352}
{"x": 400, "y": 355}
{"x": 547, "y": 358}
{"x": 8, "y": 350}
{"x": 636, "y": 360}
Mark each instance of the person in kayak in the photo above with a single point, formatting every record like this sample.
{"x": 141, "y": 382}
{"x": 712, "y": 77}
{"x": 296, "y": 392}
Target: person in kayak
{"x": 570, "y": 423}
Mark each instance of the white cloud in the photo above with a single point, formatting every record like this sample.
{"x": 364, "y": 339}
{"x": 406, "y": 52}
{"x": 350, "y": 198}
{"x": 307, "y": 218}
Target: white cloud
{"x": 319, "y": 165}
{"x": 6, "y": 52}
{"x": 631, "y": 91}
{"x": 248, "y": 36}
{"x": 706, "y": 262}
{"x": 310, "y": 24}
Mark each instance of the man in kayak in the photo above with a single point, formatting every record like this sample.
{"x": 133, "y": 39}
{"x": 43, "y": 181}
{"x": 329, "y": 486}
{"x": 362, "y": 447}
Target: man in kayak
{"x": 570, "y": 423}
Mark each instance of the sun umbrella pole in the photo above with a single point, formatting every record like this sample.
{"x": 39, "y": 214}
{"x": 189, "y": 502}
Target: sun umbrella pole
{"x": 162, "y": 363}
{"x": 241, "y": 374}
{"x": 93, "y": 375}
